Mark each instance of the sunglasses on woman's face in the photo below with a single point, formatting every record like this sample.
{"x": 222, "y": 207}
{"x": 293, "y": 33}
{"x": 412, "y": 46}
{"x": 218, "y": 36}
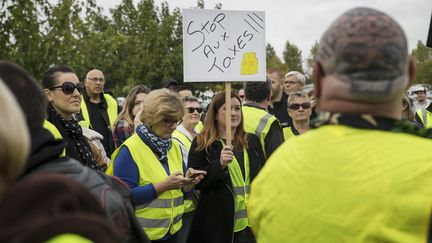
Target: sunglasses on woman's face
{"x": 295, "y": 106}
{"x": 69, "y": 87}
{"x": 193, "y": 109}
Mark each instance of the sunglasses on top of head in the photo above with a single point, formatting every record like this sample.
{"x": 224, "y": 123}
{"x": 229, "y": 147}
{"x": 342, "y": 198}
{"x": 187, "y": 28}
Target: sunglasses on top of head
{"x": 304, "y": 105}
{"x": 69, "y": 87}
{"x": 192, "y": 109}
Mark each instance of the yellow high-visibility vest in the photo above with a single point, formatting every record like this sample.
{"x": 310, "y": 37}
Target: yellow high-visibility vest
{"x": 287, "y": 132}
{"x": 112, "y": 111}
{"x": 342, "y": 184}
{"x": 55, "y": 132}
{"x": 425, "y": 117}
{"x": 241, "y": 189}
{"x": 184, "y": 140}
{"x": 199, "y": 127}
{"x": 258, "y": 121}
{"x": 163, "y": 214}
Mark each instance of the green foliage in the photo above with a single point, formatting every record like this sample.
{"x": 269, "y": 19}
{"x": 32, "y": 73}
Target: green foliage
{"x": 292, "y": 57}
{"x": 311, "y": 58}
{"x": 423, "y": 56}
{"x": 273, "y": 61}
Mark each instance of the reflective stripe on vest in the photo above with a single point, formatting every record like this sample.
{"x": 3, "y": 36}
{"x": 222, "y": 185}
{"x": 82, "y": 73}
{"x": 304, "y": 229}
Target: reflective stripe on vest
{"x": 183, "y": 139}
{"x": 112, "y": 111}
{"x": 241, "y": 190}
{"x": 55, "y": 132}
{"x": 163, "y": 214}
{"x": 258, "y": 121}
{"x": 425, "y": 117}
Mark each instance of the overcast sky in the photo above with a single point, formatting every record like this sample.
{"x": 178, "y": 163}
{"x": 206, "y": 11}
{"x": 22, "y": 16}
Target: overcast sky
{"x": 304, "y": 21}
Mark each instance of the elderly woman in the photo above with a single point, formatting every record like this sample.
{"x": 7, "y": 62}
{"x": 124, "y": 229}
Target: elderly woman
{"x": 151, "y": 164}
{"x": 64, "y": 92}
{"x": 124, "y": 125}
{"x": 221, "y": 214}
{"x": 300, "y": 110}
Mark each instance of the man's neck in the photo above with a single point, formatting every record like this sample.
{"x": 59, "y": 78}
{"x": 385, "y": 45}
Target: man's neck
{"x": 94, "y": 98}
{"x": 263, "y": 104}
{"x": 277, "y": 97}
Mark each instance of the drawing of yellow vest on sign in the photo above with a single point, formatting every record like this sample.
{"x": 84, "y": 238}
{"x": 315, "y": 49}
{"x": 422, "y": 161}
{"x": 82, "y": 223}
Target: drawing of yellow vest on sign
{"x": 249, "y": 64}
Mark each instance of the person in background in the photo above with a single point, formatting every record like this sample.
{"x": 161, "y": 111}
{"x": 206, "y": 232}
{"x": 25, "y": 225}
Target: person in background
{"x": 221, "y": 212}
{"x": 170, "y": 84}
{"x": 294, "y": 81}
{"x": 98, "y": 110}
{"x": 151, "y": 164}
{"x": 184, "y": 134}
{"x": 124, "y": 125}
{"x": 15, "y": 138}
{"x": 241, "y": 95}
{"x": 256, "y": 118}
{"x": 300, "y": 109}
{"x": 278, "y": 102}
{"x": 421, "y": 101}
{"x": 407, "y": 114}
{"x": 64, "y": 93}
{"x": 356, "y": 177}
{"x": 184, "y": 90}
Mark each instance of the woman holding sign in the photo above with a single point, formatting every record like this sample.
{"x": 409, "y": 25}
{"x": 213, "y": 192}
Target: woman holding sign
{"x": 221, "y": 214}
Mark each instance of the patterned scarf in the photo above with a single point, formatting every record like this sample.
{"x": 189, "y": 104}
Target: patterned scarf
{"x": 157, "y": 144}
{"x": 74, "y": 132}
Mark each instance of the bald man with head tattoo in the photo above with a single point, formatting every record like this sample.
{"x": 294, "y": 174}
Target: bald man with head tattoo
{"x": 362, "y": 175}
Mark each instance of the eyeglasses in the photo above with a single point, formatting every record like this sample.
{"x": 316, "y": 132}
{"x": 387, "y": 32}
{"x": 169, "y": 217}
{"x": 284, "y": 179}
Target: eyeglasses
{"x": 170, "y": 122}
{"x": 68, "y": 88}
{"x": 97, "y": 79}
{"x": 193, "y": 109}
{"x": 305, "y": 106}
{"x": 291, "y": 82}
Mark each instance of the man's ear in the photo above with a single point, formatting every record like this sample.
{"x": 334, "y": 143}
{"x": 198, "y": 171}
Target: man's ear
{"x": 318, "y": 75}
{"x": 412, "y": 69}
{"x": 49, "y": 95}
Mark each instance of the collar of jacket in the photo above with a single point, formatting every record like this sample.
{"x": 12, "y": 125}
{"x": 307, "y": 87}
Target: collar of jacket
{"x": 44, "y": 148}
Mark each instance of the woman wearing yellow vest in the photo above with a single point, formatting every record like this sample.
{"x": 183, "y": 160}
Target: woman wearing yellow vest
{"x": 64, "y": 92}
{"x": 151, "y": 164}
{"x": 221, "y": 212}
{"x": 300, "y": 110}
{"x": 184, "y": 134}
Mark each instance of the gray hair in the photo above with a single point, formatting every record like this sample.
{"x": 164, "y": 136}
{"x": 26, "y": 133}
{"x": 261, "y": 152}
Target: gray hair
{"x": 299, "y": 76}
{"x": 301, "y": 94}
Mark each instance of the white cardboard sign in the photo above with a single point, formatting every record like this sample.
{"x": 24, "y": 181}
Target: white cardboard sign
{"x": 223, "y": 45}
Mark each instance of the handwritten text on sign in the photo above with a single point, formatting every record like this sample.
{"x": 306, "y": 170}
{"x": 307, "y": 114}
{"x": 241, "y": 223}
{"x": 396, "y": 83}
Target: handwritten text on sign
{"x": 221, "y": 45}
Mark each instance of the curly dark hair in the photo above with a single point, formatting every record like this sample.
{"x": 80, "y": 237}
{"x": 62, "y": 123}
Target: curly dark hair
{"x": 257, "y": 91}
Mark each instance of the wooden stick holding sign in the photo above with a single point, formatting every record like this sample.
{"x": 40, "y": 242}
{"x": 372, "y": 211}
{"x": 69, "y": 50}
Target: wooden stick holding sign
{"x": 228, "y": 113}
{"x": 220, "y": 45}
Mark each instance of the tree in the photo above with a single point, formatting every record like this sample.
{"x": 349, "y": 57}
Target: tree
{"x": 311, "y": 58}
{"x": 423, "y": 55}
{"x": 272, "y": 60}
{"x": 292, "y": 57}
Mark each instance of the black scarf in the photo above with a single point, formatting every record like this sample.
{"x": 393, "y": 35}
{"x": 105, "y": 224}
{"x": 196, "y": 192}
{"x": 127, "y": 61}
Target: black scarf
{"x": 74, "y": 133}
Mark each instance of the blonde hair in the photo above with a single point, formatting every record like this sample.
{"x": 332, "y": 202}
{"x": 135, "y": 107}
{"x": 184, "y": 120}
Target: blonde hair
{"x": 210, "y": 133}
{"x": 300, "y": 94}
{"x": 15, "y": 139}
{"x": 161, "y": 104}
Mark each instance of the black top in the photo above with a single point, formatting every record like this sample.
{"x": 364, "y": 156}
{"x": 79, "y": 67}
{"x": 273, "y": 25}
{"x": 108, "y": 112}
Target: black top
{"x": 213, "y": 221}
{"x": 98, "y": 113}
{"x": 280, "y": 110}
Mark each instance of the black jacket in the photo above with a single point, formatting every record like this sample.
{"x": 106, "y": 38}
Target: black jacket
{"x": 214, "y": 217}
{"x": 115, "y": 199}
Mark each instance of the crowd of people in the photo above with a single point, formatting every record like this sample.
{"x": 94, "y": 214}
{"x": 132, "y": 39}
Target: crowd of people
{"x": 345, "y": 163}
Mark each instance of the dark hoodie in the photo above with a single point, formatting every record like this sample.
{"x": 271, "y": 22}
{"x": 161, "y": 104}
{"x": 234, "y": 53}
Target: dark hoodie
{"x": 115, "y": 197}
